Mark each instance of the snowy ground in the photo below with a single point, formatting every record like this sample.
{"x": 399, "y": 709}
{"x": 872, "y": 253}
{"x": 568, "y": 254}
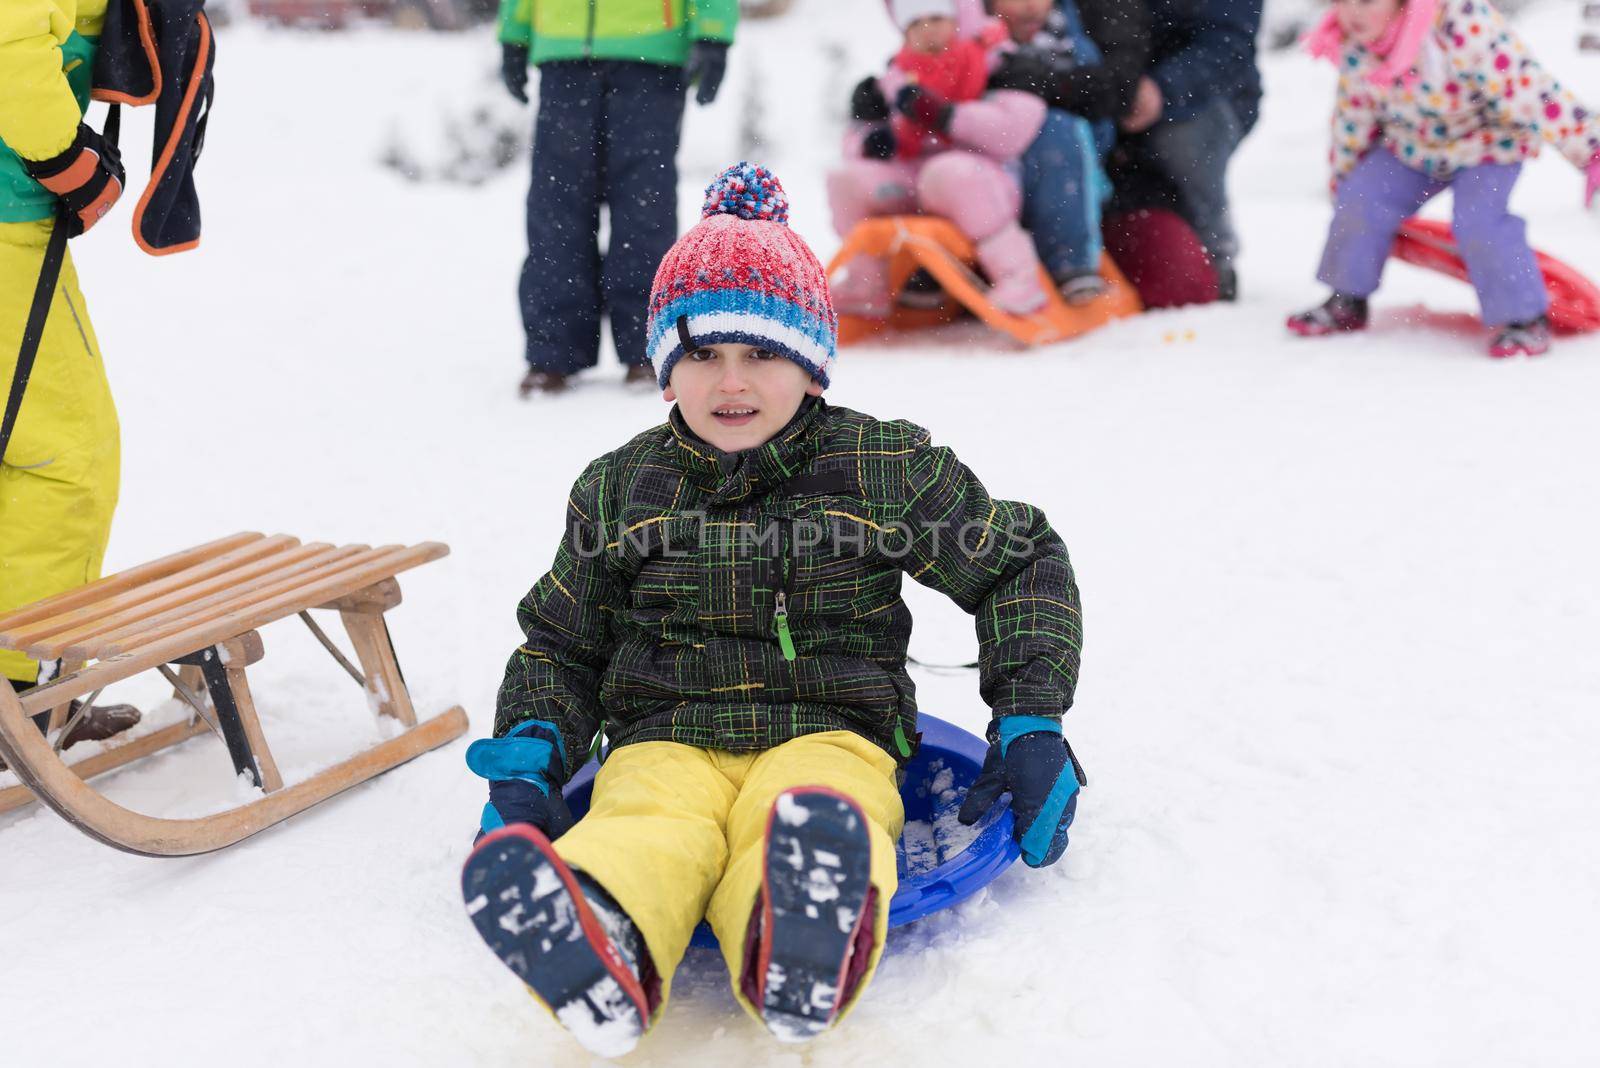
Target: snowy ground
{"x": 1342, "y": 604}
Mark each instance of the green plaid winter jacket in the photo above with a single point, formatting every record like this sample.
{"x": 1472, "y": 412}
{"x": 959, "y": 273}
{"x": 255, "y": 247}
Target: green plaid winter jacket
{"x": 736, "y": 601}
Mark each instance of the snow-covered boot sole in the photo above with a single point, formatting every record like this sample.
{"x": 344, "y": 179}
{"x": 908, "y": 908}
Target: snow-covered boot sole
{"x": 528, "y": 907}
{"x": 814, "y": 891}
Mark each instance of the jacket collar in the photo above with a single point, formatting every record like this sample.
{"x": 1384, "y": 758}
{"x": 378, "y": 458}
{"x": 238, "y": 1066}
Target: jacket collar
{"x": 735, "y": 476}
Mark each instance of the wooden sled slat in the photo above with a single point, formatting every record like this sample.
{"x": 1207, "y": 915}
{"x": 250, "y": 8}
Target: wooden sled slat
{"x": 913, "y": 241}
{"x": 322, "y": 559}
{"x": 31, "y": 634}
{"x": 285, "y": 592}
{"x": 83, "y": 642}
{"x": 121, "y": 664}
{"x": 123, "y": 580}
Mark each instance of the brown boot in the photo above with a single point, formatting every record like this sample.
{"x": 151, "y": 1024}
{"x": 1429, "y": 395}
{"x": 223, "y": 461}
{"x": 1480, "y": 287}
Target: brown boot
{"x": 98, "y": 724}
{"x": 640, "y": 374}
{"x": 541, "y": 382}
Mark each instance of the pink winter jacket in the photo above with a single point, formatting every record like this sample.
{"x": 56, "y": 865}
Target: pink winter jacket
{"x": 1477, "y": 95}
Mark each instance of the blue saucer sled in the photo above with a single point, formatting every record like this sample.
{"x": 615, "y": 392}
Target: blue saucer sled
{"x": 941, "y": 863}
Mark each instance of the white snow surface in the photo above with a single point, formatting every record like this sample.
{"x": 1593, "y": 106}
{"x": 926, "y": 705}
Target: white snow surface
{"x": 1342, "y": 605}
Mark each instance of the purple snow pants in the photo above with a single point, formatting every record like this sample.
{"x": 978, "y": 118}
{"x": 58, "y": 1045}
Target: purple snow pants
{"x": 1382, "y": 192}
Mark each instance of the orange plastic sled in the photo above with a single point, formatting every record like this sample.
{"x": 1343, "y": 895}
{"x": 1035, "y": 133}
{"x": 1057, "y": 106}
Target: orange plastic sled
{"x": 1574, "y": 300}
{"x": 913, "y": 241}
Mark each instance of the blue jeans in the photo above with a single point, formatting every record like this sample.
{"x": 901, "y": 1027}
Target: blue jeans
{"x": 1062, "y": 190}
{"x": 607, "y": 132}
{"x": 1184, "y": 166}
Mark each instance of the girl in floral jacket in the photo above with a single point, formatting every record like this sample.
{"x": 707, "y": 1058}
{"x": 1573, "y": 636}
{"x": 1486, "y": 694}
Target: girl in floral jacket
{"x": 1435, "y": 95}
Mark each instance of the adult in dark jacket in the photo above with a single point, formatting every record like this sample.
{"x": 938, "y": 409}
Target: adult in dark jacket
{"x": 1103, "y": 90}
{"x": 1100, "y": 91}
{"x": 1197, "y": 101}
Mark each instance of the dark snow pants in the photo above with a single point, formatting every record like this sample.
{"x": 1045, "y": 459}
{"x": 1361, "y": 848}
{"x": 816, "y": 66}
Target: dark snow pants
{"x": 607, "y": 132}
{"x": 1183, "y": 166}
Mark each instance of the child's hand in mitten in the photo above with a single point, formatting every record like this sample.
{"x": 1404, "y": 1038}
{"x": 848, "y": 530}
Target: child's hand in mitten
{"x": 1031, "y": 762}
{"x": 879, "y": 143}
{"x": 924, "y": 107}
{"x": 87, "y": 178}
{"x": 525, "y": 770}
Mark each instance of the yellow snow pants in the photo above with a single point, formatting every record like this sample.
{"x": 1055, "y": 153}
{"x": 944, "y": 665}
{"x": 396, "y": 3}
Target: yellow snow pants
{"x": 676, "y": 833}
{"x": 58, "y": 483}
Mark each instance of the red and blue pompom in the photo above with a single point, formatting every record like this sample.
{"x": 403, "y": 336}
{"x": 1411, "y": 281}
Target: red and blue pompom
{"x": 748, "y": 191}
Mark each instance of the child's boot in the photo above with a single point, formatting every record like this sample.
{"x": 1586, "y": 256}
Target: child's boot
{"x": 1530, "y": 338}
{"x": 1009, "y": 259}
{"x": 1080, "y": 287}
{"x": 562, "y": 934}
{"x": 541, "y": 382}
{"x": 814, "y": 918}
{"x": 1338, "y": 314}
{"x": 860, "y": 286}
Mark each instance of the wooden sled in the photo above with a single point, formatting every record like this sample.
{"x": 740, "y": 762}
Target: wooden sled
{"x": 197, "y": 611}
{"x": 913, "y": 241}
{"x": 1574, "y": 300}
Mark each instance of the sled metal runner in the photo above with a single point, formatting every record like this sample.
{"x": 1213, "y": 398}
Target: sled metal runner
{"x": 199, "y": 611}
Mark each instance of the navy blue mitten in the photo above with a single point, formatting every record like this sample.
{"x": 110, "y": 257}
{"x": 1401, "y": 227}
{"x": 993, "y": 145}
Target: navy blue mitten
{"x": 526, "y": 770}
{"x": 707, "y": 63}
{"x": 1031, "y": 762}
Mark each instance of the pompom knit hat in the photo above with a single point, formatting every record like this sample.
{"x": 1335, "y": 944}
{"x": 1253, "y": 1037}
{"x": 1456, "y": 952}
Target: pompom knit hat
{"x": 740, "y": 275}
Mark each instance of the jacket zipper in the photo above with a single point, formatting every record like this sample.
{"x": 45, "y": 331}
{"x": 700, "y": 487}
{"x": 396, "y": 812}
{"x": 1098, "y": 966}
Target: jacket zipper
{"x": 780, "y": 600}
{"x": 666, "y": 12}
{"x": 588, "y": 41}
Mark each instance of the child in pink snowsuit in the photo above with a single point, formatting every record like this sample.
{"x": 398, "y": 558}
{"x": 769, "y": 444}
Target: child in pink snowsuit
{"x": 945, "y": 153}
{"x": 1435, "y": 95}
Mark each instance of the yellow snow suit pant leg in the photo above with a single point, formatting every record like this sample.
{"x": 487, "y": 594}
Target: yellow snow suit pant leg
{"x": 58, "y": 482}
{"x": 676, "y": 833}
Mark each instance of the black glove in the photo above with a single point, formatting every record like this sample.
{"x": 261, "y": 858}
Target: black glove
{"x": 879, "y": 143}
{"x": 514, "y": 70}
{"x": 1028, "y": 71}
{"x": 924, "y": 107}
{"x": 87, "y": 178}
{"x": 708, "y": 62}
{"x": 1029, "y": 760}
{"x": 867, "y": 102}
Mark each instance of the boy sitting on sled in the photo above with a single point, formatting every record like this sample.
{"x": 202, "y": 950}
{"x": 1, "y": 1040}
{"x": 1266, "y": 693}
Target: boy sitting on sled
{"x": 726, "y": 605}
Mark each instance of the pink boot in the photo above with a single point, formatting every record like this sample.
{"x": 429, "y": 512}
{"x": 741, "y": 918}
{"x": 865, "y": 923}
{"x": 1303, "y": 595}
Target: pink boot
{"x": 1009, "y": 259}
{"x": 860, "y": 286}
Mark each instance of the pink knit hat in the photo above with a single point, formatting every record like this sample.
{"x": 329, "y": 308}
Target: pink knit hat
{"x": 740, "y": 275}
{"x": 1399, "y": 45}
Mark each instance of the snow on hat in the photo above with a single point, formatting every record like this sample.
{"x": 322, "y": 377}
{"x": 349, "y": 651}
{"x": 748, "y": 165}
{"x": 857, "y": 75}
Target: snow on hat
{"x": 740, "y": 275}
{"x": 907, "y": 12}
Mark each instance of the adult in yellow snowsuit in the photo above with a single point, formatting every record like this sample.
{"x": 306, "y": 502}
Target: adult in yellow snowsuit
{"x": 58, "y": 481}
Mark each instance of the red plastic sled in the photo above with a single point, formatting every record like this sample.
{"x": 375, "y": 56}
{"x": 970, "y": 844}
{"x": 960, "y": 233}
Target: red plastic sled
{"x": 912, "y": 241}
{"x": 1574, "y": 300}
